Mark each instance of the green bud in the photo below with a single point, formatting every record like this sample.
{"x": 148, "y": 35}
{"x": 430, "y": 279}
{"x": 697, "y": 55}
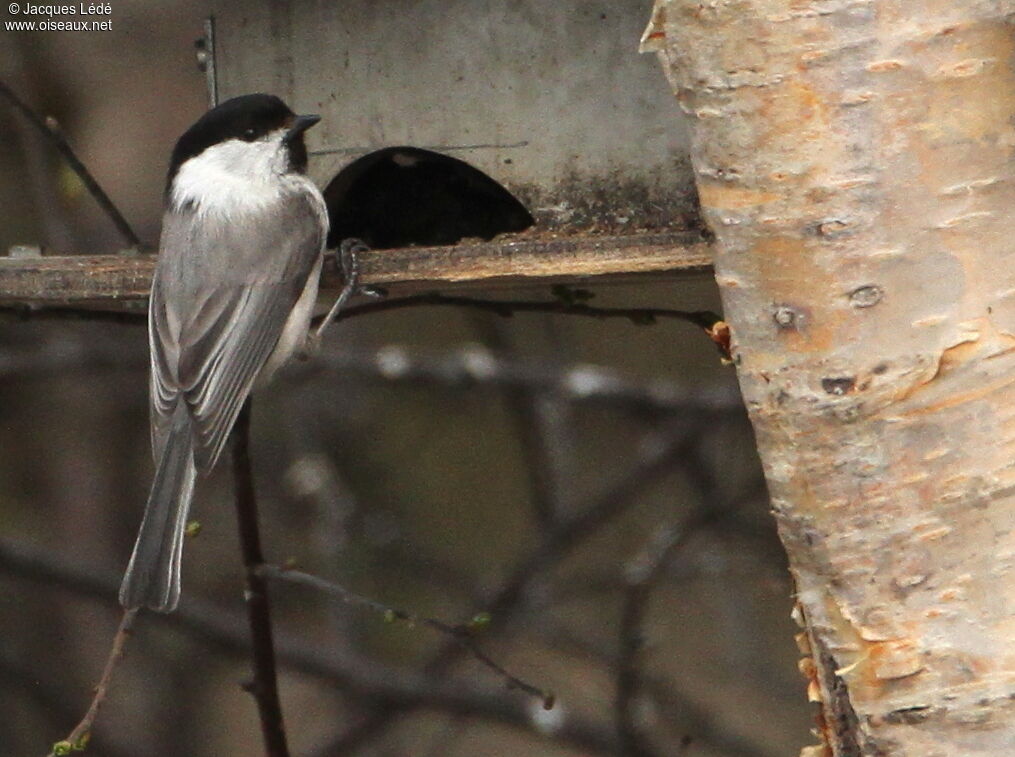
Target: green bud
{"x": 480, "y": 621}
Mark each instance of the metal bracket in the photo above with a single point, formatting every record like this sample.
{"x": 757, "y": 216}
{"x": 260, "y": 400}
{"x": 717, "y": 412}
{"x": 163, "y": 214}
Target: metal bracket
{"x": 206, "y": 60}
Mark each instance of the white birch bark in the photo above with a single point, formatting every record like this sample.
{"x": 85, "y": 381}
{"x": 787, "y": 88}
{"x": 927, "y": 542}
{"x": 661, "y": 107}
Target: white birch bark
{"x": 855, "y": 161}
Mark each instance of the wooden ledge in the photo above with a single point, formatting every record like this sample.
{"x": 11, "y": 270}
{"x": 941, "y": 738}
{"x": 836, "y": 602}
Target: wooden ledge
{"x": 106, "y": 281}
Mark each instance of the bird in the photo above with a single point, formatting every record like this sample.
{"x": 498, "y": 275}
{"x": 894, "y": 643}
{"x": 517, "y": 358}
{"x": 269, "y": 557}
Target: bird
{"x": 236, "y": 279}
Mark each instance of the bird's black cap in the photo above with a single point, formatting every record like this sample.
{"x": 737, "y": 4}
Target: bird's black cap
{"x": 247, "y": 117}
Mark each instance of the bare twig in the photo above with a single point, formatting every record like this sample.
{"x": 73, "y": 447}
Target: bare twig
{"x": 657, "y": 459}
{"x": 50, "y": 129}
{"x": 704, "y": 319}
{"x": 532, "y": 416}
{"x": 77, "y": 740}
{"x": 265, "y": 684}
{"x": 463, "y": 634}
{"x": 643, "y": 574}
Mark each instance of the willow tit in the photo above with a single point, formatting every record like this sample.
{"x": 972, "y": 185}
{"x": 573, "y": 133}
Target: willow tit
{"x": 239, "y": 260}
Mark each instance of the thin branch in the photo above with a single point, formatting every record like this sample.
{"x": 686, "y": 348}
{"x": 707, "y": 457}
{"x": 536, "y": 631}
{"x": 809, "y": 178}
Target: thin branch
{"x": 464, "y": 634}
{"x": 51, "y": 699}
{"x": 534, "y": 418}
{"x": 531, "y": 413}
{"x": 265, "y": 684}
{"x": 643, "y": 574}
{"x": 50, "y": 129}
{"x": 657, "y": 459}
{"x": 704, "y": 319}
{"x": 77, "y": 739}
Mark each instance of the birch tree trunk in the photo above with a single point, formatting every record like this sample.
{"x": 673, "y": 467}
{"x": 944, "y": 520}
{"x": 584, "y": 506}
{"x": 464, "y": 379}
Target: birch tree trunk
{"x": 855, "y": 161}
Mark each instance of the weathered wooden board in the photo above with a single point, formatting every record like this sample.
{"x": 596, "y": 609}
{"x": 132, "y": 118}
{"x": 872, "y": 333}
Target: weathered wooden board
{"x": 551, "y": 99}
{"x": 106, "y": 280}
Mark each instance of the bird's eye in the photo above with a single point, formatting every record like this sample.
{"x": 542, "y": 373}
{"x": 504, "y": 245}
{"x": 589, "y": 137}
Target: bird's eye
{"x": 250, "y": 134}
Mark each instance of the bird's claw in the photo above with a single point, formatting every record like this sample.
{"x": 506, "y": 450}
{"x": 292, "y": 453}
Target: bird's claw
{"x": 347, "y": 263}
{"x": 347, "y": 258}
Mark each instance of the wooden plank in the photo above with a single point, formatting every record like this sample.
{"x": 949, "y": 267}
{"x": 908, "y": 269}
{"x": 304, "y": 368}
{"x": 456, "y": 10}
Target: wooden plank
{"x": 75, "y": 279}
{"x": 480, "y": 89}
{"x": 110, "y": 280}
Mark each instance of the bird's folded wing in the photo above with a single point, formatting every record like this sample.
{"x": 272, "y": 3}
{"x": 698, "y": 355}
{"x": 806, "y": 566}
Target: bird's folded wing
{"x": 220, "y": 299}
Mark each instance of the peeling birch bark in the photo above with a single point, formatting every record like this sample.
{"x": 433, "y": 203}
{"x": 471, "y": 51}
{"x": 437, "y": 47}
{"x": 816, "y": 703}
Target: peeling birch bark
{"x": 855, "y": 161}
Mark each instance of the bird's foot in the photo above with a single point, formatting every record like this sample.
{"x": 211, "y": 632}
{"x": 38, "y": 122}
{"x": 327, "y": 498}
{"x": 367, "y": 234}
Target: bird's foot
{"x": 346, "y": 259}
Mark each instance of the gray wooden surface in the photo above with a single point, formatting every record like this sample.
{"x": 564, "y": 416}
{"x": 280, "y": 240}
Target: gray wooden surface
{"x": 567, "y": 114}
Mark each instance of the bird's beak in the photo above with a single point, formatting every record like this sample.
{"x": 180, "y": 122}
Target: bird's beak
{"x": 299, "y": 125}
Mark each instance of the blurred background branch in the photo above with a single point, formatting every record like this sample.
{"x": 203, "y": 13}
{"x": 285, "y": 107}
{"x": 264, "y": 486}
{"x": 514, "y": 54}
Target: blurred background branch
{"x": 50, "y": 129}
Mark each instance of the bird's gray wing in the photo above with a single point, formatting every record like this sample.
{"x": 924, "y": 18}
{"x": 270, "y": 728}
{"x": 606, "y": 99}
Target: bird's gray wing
{"x": 222, "y": 293}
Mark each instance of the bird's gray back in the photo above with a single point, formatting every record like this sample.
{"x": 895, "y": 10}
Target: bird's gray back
{"x": 223, "y": 289}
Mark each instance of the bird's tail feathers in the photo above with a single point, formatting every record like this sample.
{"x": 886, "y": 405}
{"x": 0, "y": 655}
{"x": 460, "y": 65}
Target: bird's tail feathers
{"x": 152, "y": 578}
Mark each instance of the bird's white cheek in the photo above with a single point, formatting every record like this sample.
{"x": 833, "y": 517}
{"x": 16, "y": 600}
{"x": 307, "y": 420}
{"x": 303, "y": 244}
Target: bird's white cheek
{"x": 234, "y": 177}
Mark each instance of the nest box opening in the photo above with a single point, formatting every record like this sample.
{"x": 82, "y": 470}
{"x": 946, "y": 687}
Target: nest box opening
{"x": 402, "y": 196}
